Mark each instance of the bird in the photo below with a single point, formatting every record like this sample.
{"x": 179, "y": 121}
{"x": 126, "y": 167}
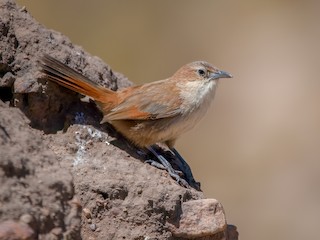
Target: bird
{"x": 151, "y": 113}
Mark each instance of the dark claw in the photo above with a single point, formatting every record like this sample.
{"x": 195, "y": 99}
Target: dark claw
{"x": 183, "y": 165}
{"x": 183, "y": 183}
{"x": 164, "y": 164}
{"x": 160, "y": 166}
{"x": 155, "y": 164}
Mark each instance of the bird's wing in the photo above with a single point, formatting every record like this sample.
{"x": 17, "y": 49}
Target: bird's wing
{"x": 150, "y": 101}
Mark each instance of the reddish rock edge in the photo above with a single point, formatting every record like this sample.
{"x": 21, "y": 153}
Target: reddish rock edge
{"x": 65, "y": 176}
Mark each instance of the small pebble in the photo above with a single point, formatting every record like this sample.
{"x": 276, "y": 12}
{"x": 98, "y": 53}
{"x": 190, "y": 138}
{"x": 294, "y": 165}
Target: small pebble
{"x": 23, "y": 9}
{"x": 56, "y": 231}
{"x": 87, "y": 213}
{"x": 26, "y": 218}
{"x": 93, "y": 227}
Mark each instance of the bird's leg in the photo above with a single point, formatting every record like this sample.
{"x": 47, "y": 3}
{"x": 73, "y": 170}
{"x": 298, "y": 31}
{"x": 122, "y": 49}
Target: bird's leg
{"x": 185, "y": 168}
{"x": 164, "y": 164}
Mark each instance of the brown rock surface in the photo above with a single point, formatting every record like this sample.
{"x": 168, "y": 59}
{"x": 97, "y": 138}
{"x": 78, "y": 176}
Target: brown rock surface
{"x": 199, "y": 218}
{"x": 56, "y": 160}
{"x": 34, "y": 188}
{"x": 11, "y": 230}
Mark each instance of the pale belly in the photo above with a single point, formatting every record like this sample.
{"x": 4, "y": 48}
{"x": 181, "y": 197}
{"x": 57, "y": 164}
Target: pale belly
{"x": 144, "y": 133}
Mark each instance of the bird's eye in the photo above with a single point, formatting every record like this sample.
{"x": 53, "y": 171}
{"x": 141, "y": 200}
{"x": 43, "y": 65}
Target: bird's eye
{"x": 202, "y": 72}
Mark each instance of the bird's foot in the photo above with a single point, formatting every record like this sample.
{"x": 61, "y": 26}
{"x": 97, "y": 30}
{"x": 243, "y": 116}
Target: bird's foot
{"x": 164, "y": 164}
{"x": 185, "y": 168}
{"x": 160, "y": 166}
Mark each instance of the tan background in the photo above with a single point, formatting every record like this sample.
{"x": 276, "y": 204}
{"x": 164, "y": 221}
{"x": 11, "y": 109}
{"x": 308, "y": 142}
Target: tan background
{"x": 258, "y": 148}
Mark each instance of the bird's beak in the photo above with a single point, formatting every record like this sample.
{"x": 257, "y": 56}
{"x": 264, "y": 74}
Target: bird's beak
{"x": 220, "y": 74}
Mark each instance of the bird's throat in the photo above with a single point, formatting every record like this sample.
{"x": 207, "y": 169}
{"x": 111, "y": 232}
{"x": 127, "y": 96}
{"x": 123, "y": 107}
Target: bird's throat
{"x": 197, "y": 94}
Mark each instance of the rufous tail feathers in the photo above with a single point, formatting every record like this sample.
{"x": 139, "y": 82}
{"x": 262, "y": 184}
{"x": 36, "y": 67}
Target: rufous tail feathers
{"x": 58, "y": 72}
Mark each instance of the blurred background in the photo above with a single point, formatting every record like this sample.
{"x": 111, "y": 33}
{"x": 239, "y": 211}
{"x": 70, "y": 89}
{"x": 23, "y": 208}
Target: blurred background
{"x": 257, "y": 150}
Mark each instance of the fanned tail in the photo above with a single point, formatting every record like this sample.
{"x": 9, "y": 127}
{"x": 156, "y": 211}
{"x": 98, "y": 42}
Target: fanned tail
{"x": 60, "y": 73}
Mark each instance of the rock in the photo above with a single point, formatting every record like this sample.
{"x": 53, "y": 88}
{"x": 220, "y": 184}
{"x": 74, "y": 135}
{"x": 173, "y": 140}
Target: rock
{"x": 33, "y": 187}
{"x": 25, "y": 41}
{"x": 231, "y": 233}
{"x": 27, "y": 219}
{"x": 86, "y": 213}
{"x": 12, "y": 230}
{"x": 200, "y": 218}
{"x": 93, "y": 227}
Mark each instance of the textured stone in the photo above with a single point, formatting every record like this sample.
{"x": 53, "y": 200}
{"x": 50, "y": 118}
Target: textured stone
{"x": 12, "y": 230}
{"x": 200, "y": 218}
